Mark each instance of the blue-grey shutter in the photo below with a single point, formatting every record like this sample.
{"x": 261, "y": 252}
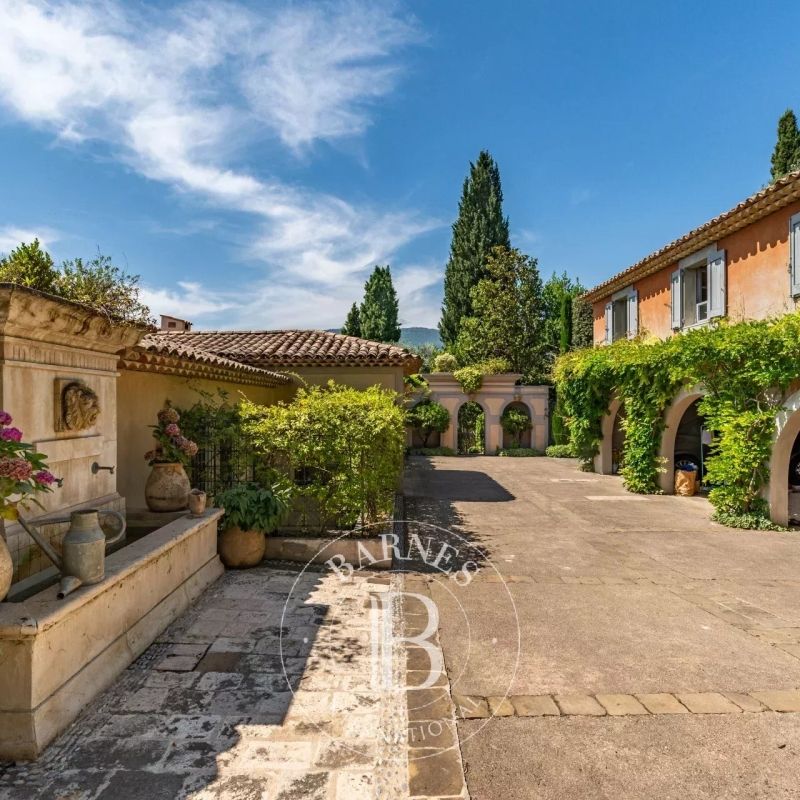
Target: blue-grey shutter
{"x": 675, "y": 299}
{"x": 716, "y": 285}
{"x": 608, "y": 323}
{"x": 794, "y": 254}
{"x": 633, "y": 313}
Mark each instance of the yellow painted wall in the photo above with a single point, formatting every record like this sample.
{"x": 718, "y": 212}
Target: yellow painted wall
{"x": 140, "y": 396}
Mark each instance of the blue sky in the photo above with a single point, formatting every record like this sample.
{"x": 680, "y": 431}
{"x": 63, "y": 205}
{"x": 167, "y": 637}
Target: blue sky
{"x": 252, "y": 162}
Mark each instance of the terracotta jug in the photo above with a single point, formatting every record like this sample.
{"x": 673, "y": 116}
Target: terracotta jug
{"x": 167, "y": 488}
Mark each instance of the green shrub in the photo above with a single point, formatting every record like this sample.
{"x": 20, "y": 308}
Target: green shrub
{"x": 754, "y": 521}
{"x": 515, "y": 422}
{"x": 746, "y": 369}
{"x": 255, "y": 508}
{"x": 347, "y": 444}
{"x": 428, "y": 417}
{"x": 432, "y": 451}
{"x": 445, "y": 362}
{"x": 471, "y": 377}
{"x": 560, "y": 451}
{"x": 519, "y": 452}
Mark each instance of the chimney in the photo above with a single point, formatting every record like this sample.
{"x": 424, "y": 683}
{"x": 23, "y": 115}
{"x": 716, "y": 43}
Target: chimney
{"x": 174, "y": 324}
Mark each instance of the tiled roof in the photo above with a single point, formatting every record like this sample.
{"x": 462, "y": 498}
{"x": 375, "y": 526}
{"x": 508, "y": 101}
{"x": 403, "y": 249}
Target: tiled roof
{"x": 784, "y": 191}
{"x": 289, "y": 348}
{"x": 159, "y": 345}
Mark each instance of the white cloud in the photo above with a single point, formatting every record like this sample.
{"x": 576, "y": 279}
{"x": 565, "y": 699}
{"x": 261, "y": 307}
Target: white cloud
{"x": 191, "y": 301}
{"x": 11, "y": 236}
{"x": 179, "y": 93}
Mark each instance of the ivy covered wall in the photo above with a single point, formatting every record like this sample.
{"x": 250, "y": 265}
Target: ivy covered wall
{"x": 746, "y": 368}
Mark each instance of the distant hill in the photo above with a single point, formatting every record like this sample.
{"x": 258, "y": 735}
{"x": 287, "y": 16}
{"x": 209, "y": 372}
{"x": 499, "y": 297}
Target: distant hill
{"x": 417, "y": 336}
{"x": 414, "y": 337}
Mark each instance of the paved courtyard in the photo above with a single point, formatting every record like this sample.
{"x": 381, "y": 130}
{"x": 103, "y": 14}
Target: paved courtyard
{"x": 550, "y": 636}
{"x": 648, "y": 652}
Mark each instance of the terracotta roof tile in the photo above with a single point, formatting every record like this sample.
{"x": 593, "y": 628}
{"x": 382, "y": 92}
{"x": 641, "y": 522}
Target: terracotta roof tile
{"x": 784, "y": 191}
{"x": 286, "y": 348}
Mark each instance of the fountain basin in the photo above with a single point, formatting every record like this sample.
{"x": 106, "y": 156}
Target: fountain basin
{"x": 56, "y": 655}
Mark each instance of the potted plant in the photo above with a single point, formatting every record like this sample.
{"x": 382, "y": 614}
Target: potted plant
{"x": 23, "y": 474}
{"x": 167, "y": 487}
{"x": 251, "y": 511}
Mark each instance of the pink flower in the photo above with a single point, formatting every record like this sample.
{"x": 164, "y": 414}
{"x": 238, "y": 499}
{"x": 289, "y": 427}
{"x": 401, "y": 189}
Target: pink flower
{"x": 190, "y": 448}
{"x": 172, "y": 430}
{"x": 5, "y": 418}
{"x": 11, "y": 435}
{"x": 17, "y": 469}
{"x": 44, "y": 477}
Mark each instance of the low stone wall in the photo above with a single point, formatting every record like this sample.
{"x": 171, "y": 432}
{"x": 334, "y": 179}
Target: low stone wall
{"x": 366, "y": 553}
{"x": 56, "y": 655}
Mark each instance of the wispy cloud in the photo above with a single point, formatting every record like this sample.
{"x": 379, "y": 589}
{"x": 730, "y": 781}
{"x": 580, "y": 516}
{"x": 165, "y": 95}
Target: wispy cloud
{"x": 179, "y": 94}
{"x": 11, "y": 236}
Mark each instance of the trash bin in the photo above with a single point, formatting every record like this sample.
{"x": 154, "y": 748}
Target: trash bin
{"x": 686, "y": 480}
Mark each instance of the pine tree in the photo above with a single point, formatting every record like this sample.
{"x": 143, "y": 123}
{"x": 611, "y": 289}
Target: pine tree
{"x": 379, "y": 311}
{"x": 29, "y": 265}
{"x": 786, "y": 155}
{"x": 480, "y": 226}
{"x": 352, "y": 325}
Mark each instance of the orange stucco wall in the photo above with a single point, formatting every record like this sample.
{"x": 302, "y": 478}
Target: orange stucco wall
{"x": 757, "y": 259}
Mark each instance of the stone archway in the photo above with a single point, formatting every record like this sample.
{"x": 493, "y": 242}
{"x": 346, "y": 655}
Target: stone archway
{"x": 787, "y": 430}
{"x": 672, "y": 420}
{"x": 508, "y": 440}
{"x": 471, "y": 426}
{"x": 604, "y": 460}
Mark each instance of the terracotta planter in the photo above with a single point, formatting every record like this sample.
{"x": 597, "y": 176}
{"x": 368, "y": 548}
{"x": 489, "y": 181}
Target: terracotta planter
{"x": 167, "y": 488}
{"x": 6, "y": 566}
{"x": 238, "y": 548}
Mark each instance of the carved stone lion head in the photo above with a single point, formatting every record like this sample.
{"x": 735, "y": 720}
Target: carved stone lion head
{"x": 80, "y": 406}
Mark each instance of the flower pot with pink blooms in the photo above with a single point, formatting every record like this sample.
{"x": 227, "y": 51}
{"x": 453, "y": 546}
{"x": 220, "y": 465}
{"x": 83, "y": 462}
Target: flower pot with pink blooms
{"x": 23, "y": 475}
{"x": 167, "y": 487}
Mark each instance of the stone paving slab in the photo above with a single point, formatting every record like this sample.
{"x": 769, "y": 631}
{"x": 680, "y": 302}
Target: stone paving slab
{"x": 252, "y": 693}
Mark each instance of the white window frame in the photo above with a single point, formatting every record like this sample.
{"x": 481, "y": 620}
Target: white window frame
{"x": 794, "y": 255}
{"x": 631, "y": 295}
{"x": 715, "y": 263}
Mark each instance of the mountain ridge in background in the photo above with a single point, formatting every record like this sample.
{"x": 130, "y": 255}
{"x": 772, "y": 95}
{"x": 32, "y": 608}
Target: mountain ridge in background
{"x": 413, "y": 336}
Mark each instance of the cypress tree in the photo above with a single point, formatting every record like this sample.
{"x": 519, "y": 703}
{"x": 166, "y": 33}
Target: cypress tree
{"x": 582, "y": 324}
{"x": 565, "y": 323}
{"x": 786, "y": 155}
{"x": 480, "y": 226}
{"x": 379, "y": 311}
{"x": 352, "y": 325}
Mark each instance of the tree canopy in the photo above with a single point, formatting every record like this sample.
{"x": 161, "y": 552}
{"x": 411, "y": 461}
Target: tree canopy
{"x": 379, "y": 310}
{"x": 97, "y": 282}
{"x": 786, "y": 156}
{"x": 480, "y": 226}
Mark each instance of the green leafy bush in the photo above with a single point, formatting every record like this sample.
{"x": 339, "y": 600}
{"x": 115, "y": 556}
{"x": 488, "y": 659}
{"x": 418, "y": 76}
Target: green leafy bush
{"x": 347, "y": 445}
{"x": 428, "y": 417}
{"x": 471, "y": 377}
{"x": 519, "y": 452}
{"x": 560, "y": 451}
{"x": 746, "y": 369}
{"x": 255, "y": 508}
{"x": 515, "y": 422}
{"x": 445, "y": 362}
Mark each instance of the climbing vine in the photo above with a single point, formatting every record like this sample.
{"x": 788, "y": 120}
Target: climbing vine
{"x": 471, "y": 377}
{"x": 747, "y": 370}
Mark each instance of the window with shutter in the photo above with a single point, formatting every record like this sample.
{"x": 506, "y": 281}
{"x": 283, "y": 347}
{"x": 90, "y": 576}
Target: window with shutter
{"x": 794, "y": 254}
{"x": 675, "y": 299}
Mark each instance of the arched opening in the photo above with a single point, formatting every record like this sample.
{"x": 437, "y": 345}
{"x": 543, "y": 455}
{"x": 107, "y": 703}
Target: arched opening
{"x": 471, "y": 429}
{"x": 516, "y": 424}
{"x": 618, "y": 441}
{"x": 692, "y": 441}
{"x": 784, "y": 499}
{"x": 682, "y": 437}
{"x": 610, "y": 430}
